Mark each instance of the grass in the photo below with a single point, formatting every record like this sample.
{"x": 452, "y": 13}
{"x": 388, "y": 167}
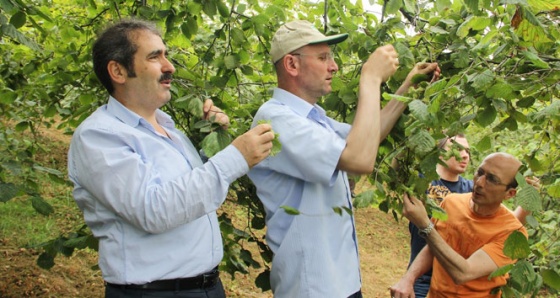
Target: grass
{"x": 23, "y": 225}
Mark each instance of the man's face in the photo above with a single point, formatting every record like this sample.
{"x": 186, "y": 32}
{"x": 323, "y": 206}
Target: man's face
{"x": 317, "y": 70}
{"x": 455, "y": 166}
{"x": 492, "y": 179}
{"x": 150, "y": 88}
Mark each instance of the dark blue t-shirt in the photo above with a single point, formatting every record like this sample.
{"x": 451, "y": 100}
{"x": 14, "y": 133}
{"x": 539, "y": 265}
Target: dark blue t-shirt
{"x": 438, "y": 190}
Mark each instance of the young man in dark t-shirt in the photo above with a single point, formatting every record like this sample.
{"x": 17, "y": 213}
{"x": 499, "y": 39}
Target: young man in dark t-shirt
{"x": 450, "y": 181}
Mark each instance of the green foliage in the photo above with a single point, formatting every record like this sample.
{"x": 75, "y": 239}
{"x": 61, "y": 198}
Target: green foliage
{"x": 499, "y": 85}
{"x": 276, "y": 145}
{"x": 290, "y": 210}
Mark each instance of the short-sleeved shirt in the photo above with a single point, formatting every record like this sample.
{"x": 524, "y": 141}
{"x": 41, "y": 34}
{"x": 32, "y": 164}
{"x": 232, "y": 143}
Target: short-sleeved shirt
{"x": 466, "y": 232}
{"x": 438, "y": 190}
{"x": 315, "y": 252}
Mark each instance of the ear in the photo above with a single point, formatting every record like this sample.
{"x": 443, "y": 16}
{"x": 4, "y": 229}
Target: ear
{"x": 510, "y": 193}
{"x": 291, "y": 64}
{"x": 117, "y": 72}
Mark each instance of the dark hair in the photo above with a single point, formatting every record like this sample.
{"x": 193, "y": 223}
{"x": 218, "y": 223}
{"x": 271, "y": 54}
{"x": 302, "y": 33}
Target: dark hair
{"x": 117, "y": 43}
{"x": 512, "y": 184}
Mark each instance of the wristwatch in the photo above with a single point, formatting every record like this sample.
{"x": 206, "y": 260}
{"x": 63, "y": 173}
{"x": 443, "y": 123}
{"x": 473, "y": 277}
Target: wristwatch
{"x": 425, "y": 232}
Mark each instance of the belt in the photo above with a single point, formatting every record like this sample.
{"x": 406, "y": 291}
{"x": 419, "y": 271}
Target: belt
{"x": 203, "y": 281}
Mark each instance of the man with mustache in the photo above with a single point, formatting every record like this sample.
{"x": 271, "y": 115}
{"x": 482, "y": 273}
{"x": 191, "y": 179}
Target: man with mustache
{"x": 142, "y": 186}
{"x": 466, "y": 248}
{"x": 316, "y": 252}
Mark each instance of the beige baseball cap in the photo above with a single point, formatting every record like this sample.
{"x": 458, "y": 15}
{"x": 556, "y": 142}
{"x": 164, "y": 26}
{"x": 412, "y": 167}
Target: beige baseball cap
{"x": 296, "y": 34}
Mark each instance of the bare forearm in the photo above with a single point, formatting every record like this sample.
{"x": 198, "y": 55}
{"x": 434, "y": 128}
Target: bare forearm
{"x": 390, "y": 114}
{"x": 421, "y": 264}
{"x": 394, "y": 109}
{"x": 363, "y": 140}
{"x": 405, "y": 286}
{"x": 455, "y": 265}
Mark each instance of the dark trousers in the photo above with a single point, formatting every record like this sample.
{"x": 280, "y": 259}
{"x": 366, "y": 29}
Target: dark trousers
{"x": 422, "y": 286}
{"x": 216, "y": 291}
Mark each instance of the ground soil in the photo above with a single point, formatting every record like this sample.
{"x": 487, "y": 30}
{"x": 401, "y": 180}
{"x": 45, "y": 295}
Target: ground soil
{"x": 383, "y": 252}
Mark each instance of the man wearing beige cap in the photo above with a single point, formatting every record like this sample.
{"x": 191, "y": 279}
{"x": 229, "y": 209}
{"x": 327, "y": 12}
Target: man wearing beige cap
{"x": 316, "y": 251}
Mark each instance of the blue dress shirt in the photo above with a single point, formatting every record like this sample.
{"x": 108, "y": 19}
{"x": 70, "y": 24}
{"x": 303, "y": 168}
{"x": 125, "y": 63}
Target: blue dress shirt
{"x": 315, "y": 252}
{"x": 149, "y": 199}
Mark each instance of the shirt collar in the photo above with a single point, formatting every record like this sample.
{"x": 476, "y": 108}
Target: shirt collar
{"x": 296, "y": 103}
{"x": 127, "y": 116}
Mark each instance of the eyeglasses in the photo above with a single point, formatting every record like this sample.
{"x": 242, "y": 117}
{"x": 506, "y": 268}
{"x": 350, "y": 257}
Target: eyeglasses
{"x": 492, "y": 179}
{"x": 323, "y": 57}
{"x": 454, "y": 143}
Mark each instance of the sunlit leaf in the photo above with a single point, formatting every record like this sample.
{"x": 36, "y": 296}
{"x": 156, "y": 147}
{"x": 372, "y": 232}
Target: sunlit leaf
{"x": 290, "y": 210}
{"x": 237, "y": 35}
{"x": 551, "y": 278}
{"x": 516, "y": 246}
{"x": 482, "y": 80}
{"x": 231, "y": 61}
{"x": 276, "y": 144}
{"x": 393, "y": 6}
{"x": 554, "y": 190}
{"x": 471, "y": 4}
{"x": 422, "y": 142}
{"x": 215, "y": 141}
{"x": 484, "y": 144}
{"x": 364, "y": 199}
{"x": 538, "y": 62}
{"x": 501, "y": 271}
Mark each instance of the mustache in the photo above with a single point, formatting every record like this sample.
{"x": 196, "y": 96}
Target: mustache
{"x": 167, "y": 76}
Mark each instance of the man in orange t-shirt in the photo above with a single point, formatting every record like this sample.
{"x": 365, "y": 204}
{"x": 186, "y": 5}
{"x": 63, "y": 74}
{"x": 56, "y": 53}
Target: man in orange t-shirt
{"x": 468, "y": 247}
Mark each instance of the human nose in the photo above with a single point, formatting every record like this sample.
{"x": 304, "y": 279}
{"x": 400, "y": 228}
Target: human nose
{"x": 478, "y": 179}
{"x": 333, "y": 67}
{"x": 168, "y": 66}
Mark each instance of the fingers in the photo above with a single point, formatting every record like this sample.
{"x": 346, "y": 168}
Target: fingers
{"x": 533, "y": 181}
{"x": 266, "y": 135}
{"x": 208, "y": 104}
{"x": 211, "y": 112}
{"x": 256, "y": 144}
{"x": 410, "y": 200}
{"x": 401, "y": 290}
{"x": 262, "y": 128}
{"x": 427, "y": 68}
{"x": 382, "y": 63}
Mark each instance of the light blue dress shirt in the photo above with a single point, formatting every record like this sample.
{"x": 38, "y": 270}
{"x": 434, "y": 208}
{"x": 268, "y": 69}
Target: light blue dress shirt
{"x": 315, "y": 252}
{"x": 149, "y": 199}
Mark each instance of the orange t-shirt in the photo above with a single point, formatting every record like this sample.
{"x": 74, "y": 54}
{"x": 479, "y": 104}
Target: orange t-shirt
{"x": 466, "y": 233}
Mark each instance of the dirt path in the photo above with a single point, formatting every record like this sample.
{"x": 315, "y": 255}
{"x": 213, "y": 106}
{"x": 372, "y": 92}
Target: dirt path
{"x": 383, "y": 249}
{"x": 383, "y": 254}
